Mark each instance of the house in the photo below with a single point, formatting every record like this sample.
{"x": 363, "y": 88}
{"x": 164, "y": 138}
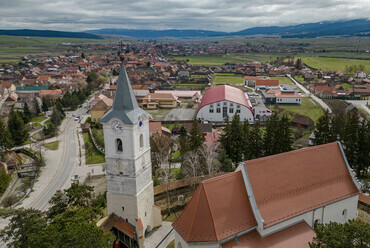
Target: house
{"x": 281, "y": 96}
{"x": 251, "y": 81}
{"x": 51, "y": 94}
{"x": 264, "y": 84}
{"x": 183, "y": 76}
{"x": 192, "y": 95}
{"x": 361, "y": 90}
{"x": 272, "y": 201}
{"x": 224, "y": 101}
{"x": 303, "y": 121}
{"x": 360, "y": 74}
{"x": 155, "y": 127}
{"x": 8, "y": 87}
{"x": 160, "y": 100}
{"x": 100, "y": 107}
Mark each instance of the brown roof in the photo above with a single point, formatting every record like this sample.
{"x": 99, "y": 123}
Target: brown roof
{"x": 155, "y": 126}
{"x": 160, "y": 96}
{"x": 267, "y": 82}
{"x": 303, "y": 119}
{"x": 114, "y": 221}
{"x": 6, "y": 84}
{"x": 218, "y": 209}
{"x": 296, "y": 236}
{"x": 365, "y": 199}
{"x": 50, "y": 92}
{"x": 299, "y": 181}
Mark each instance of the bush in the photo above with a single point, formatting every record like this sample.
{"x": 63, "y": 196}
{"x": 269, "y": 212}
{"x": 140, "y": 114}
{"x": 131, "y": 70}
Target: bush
{"x": 88, "y": 120}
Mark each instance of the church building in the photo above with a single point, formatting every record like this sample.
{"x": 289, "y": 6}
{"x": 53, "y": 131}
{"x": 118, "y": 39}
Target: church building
{"x": 272, "y": 201}
{"x": 130, "y": 196}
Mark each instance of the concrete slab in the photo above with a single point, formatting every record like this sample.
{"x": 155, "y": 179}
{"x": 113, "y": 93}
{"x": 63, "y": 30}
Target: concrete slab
{"x": 181, "y": 114}
{"x": 155, "y": 237}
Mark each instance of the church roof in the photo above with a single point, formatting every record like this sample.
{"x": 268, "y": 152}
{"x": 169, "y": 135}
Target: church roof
{"x": 125, "y": 107}
{"x": 296, "y": 236}
{"x": 299, "y": 181}
{"x": 113, "y": 221}
{"x": 218, "y": 209}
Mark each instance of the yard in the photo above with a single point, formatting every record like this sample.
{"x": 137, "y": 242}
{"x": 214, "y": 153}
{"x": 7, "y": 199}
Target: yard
{"x": 217, "y": 79}
{"x": 93, "y": 156}
{"x": 282, "y": 80}
{"x": 308, "y": 107}
{"x": 52, "y": 145}
{"x": 38, "y": 119}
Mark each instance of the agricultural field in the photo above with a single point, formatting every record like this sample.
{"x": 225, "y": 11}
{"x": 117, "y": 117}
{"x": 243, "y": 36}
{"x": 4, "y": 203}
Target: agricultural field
{"x": 12, "y": 48}
{"x": 308, "y": 107}
{"x": 334, "y": 64}
{"x": 282, "y": 80}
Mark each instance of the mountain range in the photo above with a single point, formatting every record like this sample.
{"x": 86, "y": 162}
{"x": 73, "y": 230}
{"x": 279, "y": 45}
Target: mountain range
{"x": 358, "y": 27}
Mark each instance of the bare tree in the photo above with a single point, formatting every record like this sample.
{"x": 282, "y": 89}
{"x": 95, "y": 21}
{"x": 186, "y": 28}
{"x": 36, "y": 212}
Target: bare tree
{"x": 192, "y": 166}
{"x": 209, "y": 153}
{"x": 162, "y": 146}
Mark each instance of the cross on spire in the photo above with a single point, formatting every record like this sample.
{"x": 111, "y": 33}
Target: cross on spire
{"x": 121, "y": 45}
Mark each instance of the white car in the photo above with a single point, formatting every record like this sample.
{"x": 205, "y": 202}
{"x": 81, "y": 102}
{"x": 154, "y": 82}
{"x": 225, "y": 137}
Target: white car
{"x": 76, "y": 119}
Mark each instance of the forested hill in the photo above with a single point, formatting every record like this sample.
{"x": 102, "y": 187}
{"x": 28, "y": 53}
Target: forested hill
{"x": 49, "y": 33}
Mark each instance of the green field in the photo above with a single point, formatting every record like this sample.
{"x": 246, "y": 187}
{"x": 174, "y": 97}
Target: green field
{"x": 308, "y": 107}
{"x": 37, "y": 119}
{"x": 334, "y": 64}
{"x": 227, "y": 79}
{"x": 282, "y": 80}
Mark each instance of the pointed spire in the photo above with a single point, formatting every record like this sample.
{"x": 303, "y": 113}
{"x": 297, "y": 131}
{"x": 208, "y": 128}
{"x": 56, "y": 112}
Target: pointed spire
{"x": 125, "y": 107}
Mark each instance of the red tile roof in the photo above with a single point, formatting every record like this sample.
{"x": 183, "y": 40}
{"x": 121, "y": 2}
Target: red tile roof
{"x": 365, "y": 199}
{"x": 296, "y": 236}
{"x": 225, "y": 92}
{"x": 299, "y": 181}
{"x": 114, "y": 221}
{"x": 267, "y": 82}
{"x": 218, "y": 209}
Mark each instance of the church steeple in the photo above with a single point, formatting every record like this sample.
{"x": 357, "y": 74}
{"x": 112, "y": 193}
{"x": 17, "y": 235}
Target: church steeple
{"x": 125, "y": 107}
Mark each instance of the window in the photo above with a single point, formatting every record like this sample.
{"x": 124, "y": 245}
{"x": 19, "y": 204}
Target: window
{"x": 211, "y": 110}
{"x": 237, "y": 110}
{"x": 218, "y": 110}
{"x": 119, "y": 146}
{"x": 231, "y": 110}
{"x": 225, "y": 103}
{"x": 218, "y": 104}
{"x": 231, "y": 104}
{"x": 238, "y": 106}
{"x": 141, "y": 141}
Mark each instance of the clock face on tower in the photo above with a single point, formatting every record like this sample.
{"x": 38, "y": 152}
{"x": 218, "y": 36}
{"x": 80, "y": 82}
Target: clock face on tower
{"x": 117, "y": 126}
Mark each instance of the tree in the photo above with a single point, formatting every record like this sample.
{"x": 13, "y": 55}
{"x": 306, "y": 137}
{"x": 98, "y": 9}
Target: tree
{"x": 299, "y": 64}
{"x": 37, "y": 108}
{"x": 17, "y": 128}
{"x": 226, "y": 165}
{"x": 246, "y": 140}
{"x": 192, "y": 166}
{"x": 22, "y": 223}
{"x": 270, "y": 138}
{"x": 4, "y": 180}
{"x": 196, "y": 140}
{"x": 209, "y": 154}
{"x": 236, "y": 140}
{"x": 256, "y": 139}
{"x": 183, "y": 142}
{"x": 350, "y": 138}
{"x": 5, "y": 136}
{"x": 83, "y": 56}
{"x": 56, "y": 117}
{"x": 323, "y": 133}
{"x": 284, "y": 135}
{"x": 363, "y": 148}
{"x": 27, "y": 112}
{"x": 353, "y": 233}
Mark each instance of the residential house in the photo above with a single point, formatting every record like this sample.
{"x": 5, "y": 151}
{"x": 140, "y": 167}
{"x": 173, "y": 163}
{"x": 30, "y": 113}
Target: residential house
{"x": 303, "y": 121}
{"x": 160, "y": 100}
{"x": 100, "y": 107}
{"x": 51, "y": 94}
{"x": 192, "y": 95}
{"x": 270, "y": 201}
{"x": 360, "y": 74}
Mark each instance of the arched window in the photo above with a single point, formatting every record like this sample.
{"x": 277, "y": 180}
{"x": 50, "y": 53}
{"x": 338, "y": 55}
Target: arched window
{"x": 119, "y": 145}
{"x": 141, "y": 141}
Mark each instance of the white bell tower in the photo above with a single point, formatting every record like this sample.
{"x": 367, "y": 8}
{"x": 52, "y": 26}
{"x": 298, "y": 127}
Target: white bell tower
{"x": 127, "y": 156}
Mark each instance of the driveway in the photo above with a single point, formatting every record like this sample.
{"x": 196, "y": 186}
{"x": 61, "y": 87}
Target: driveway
{"x": 180, "y": 114}
{"x": 361, "y": 104}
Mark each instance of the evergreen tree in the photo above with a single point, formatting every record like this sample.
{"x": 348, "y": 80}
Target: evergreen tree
{"x": 59, "y": 107}
{"x": 27, "y": 112}
{"x": 236, "y": 140}
{"x": 37, "y": 108}
{"x": 17, "y": 128}
{"x": 196, "y": 140}
{"x": 83, "y": 56}
{"x": 256, "y": 140}
{"x": 338, "y": 124}
{"x": 284, "y": 135}
{"x": 56, "y": 117}
{"x": 225, "y": 136}
{"x": 246, "y": 140}
{"x": 225, "y": 161}
{"x": 183, "y": 142}
{"x": 350, "y": 138}
{"x": 5, "y": 136}
{"x": 270, "y": 138}
{"x": 363, "y": 148}
{"x": 323, "y": 132}
{"x": 44, "y": 107}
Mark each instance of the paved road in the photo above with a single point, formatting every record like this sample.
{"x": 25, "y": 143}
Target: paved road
{"x": 318, "y": 100}
{"x": 59, "y": 169}
{"x": 361, "y": 104}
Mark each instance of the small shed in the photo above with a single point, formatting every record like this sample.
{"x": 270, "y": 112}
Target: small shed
{"x": 303, "y": 121}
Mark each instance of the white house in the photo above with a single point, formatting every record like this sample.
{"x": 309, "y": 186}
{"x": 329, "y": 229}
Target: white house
{"x": 271, "y": 202}
{"x": 360, "y": 74}
{"x": 222, "y": 101}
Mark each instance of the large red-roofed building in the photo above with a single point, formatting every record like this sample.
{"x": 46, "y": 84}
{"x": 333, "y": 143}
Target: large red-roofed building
{"x": 271, "y": 202}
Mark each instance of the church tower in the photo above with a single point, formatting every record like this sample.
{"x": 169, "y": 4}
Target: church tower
{"x": 128, "y": 164}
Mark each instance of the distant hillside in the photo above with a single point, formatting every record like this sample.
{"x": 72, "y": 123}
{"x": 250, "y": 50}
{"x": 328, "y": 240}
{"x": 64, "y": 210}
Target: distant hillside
{"x": 150, "y": 34}
{"x": 359, "y": 27}
{"x": 49, "y": 33}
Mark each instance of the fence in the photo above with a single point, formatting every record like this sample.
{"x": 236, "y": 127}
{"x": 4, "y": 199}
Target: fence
{"x": 100, "y": 149}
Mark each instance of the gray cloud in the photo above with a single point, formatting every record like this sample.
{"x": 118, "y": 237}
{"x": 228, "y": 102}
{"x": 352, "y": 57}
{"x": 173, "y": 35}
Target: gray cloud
{"x": 220, "y": 15}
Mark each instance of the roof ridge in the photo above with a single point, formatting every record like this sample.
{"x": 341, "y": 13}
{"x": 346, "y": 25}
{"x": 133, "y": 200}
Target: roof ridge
{"x": 210, "y": 210}
{"x": 294, "y": 151}
{"x": 192, "y": 222}
{"x": 229, "y": 174}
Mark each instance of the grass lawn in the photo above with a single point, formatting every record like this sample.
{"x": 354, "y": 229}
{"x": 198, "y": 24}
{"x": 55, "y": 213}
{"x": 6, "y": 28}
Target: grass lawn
{"x": 38, "y": 119}
{"x": 306, "y": 108}
{"x": 171, "y": 245}
{"x": 334, "y": 64}
{"x": 172, "y": 217}
{"x": 346, "y": 86}
{"x": 52, "y": 145}
{"x": 36, "y": 125}
{"x": 228, "y": 80}
{"x": 48, "y": 122}
{"x": 282, "y": 80}
{"x": 176, "y": 154}
{"x": 93, "y": 156}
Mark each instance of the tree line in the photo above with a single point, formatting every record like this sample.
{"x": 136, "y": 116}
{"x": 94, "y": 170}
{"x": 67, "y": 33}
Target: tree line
{"x": 353, "y": 134}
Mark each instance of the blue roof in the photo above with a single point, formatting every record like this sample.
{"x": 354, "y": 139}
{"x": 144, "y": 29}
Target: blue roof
{"x": 31, "y": 88}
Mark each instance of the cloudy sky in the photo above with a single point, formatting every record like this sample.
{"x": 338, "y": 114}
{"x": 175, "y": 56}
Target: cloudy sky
{"x": 218, "y": 15}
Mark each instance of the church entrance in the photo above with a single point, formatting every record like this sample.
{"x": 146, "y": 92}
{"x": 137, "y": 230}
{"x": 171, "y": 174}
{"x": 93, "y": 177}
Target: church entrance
{"x": 123, "y": 240}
